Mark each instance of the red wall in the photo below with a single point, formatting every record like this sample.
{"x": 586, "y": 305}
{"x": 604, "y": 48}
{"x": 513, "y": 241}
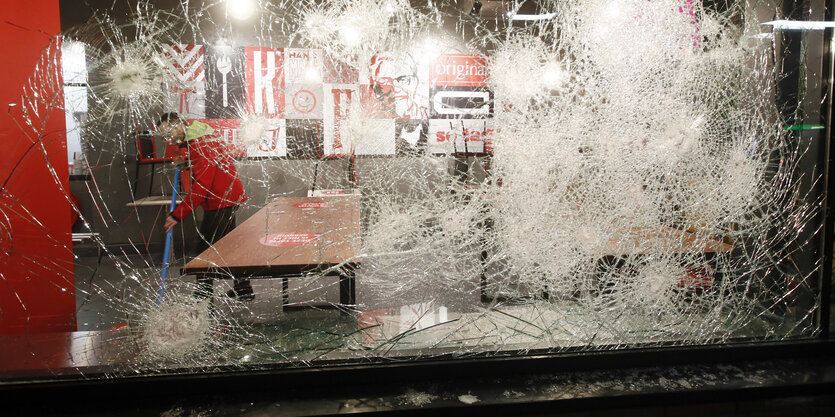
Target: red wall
{"x": 37, "y": 288}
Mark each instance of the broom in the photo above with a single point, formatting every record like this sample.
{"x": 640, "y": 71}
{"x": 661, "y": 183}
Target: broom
{"x": 166, "y": 256}
{"x": 166, "y": 252}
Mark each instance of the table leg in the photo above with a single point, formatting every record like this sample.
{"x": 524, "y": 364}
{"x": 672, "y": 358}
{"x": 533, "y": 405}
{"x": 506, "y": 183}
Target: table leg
{"x": 347, "y": 287}
{"x": 285, "y": 287}
{"x": 483, "y": 279}
{"x": 136, "y": 178}
{"x": 151, "y": 182}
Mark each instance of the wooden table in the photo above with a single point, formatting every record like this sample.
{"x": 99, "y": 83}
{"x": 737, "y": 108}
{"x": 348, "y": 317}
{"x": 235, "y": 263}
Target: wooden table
{"x": 292, "y": 236}
{"x": 638, "y": 243}
{"x": 674, "y": 241}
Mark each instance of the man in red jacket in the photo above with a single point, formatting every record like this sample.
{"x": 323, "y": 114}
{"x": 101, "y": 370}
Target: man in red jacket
{"x": 215, "y": 187}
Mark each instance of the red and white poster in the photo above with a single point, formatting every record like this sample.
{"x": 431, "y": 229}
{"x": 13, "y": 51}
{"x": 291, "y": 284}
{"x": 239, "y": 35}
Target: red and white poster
{"x": 358, "y": 108}
{"x": 265, "y": 81}
{"x": 399, "y": 84}
{"x": 461, "y": 136}
{"x": 460, "y": 105}
{"x": 303, "y": 83}
{"x": 226, "y": 131}
{"x": 303, "y": 66}
{"x": 459, "y": 70}
{"x": 184, "y": 67}
{"x": 337, "y": 118}
{"x": 272, "y": 144}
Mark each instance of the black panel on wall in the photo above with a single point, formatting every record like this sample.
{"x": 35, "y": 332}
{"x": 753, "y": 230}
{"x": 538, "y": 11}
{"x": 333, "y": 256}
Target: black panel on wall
{"x": 76, "y": 12}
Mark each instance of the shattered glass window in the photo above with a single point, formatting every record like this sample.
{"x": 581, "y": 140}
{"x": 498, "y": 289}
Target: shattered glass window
{"x": 358, "y": 180}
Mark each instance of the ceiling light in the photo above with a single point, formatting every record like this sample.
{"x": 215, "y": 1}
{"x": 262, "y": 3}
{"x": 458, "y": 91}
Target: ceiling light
{"x": 240, "y": 9}
{"x": 350, "y": 36}
{"x": 799, "y": 25}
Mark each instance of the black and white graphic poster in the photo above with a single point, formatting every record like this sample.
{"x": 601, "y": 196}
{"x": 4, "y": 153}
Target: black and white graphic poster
{"x": 410, "y": 137}
{"x": 460, "y": 102}
{"x": 225, "y": 82}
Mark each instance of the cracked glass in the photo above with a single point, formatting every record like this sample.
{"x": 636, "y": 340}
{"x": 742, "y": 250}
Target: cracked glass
{"x": 415, "y": 179}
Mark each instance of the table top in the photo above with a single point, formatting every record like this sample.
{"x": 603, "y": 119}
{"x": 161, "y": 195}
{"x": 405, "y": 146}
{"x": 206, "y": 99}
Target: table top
{"x": 666, "y": 239}
{"x": 287, "y": 236}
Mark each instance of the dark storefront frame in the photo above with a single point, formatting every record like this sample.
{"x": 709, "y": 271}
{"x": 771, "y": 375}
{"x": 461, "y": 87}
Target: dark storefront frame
{"x": 269, "y": 381}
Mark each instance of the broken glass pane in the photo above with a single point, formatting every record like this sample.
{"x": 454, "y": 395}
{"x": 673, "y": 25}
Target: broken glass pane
{"x": 426, "y": 179}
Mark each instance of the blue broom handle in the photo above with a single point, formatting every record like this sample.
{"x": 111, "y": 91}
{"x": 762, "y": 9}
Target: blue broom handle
{"x": 168, "y": 236}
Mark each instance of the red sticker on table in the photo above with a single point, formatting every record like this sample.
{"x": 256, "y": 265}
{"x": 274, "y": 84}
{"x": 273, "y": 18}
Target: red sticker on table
{"x": 288, "y": 239}
{"x": 311, "y": 204}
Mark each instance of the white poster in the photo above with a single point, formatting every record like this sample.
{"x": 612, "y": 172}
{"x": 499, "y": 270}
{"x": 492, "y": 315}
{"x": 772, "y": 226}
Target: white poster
{"x": 374, "y": 137}
{"x": 272, "y": 144}
{"x": 303, "y": 66}
{"x": 304, "y": 101}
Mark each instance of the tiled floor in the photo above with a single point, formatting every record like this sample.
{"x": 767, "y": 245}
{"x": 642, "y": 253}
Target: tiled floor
{"x": 114, "y": 295}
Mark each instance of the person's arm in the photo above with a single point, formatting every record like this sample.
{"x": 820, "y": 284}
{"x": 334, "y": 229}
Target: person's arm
{"x": 203, "y": 175}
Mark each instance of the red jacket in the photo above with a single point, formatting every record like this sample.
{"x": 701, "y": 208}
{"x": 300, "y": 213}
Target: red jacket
{"x": 214, "y": 180}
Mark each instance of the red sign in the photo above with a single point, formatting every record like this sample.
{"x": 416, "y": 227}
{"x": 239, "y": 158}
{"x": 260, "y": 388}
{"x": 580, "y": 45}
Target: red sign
{"x": 265, "y": 81}
{"x": 459, "y": 70}
{"x": 341, "y": 110}
{"x": 286, "y": 239}
{"x": 226, "y": 130}
{"x": 311, "y": 204}
{"x": 470, "y": 135}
